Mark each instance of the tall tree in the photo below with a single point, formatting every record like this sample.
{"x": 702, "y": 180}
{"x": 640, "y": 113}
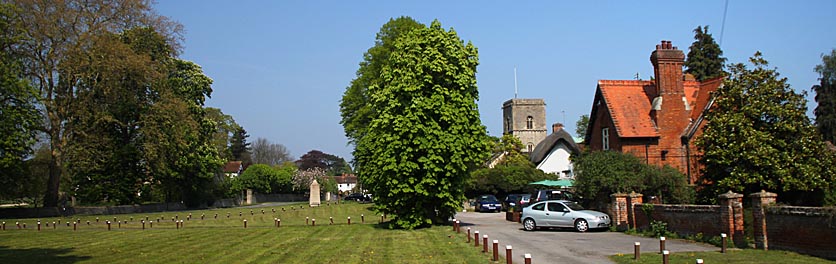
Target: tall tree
{"x": 239, "y": 147}
{"x": 266, "y": 152}
{"x": 705, "y": 58}
{"x": 19, "y": 116}
{"x": 826, "y": 97}
{"x": 426, "y": 135}
{"x": 581, "y": 126}
{"x": 226, "y": 128}
{"x": 332, "y": 165}
{"x": 758, "y": 137}
{"x": 58, "y": 30}
{"x": 355, "y": 109}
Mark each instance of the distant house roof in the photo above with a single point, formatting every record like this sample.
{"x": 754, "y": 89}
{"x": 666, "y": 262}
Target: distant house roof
{"x": 232, "y": 167}
{"x": 545, "y": 147}
{"x": 345, "y": 179}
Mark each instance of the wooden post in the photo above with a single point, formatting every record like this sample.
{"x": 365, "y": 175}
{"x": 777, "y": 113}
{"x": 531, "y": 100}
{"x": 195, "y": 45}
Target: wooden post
{"x": 108, "y": 225}
{"x": 637, "y": 251}
{"x": 508, "y": 256}
{"x": 723, "y": 249}
{"x": 476, "y": 238}
{"x": 484, "y": 243}
{"x": 666, "y": 257}
{"x": 362, "y": 219}
{"x": 349, "y": 220}
{"x": 527, "y": 258}
{"x": 245, "y": 223}
{"x": 468, "y": 235}
{"x": 495, "y": 250}
{"x": 661, "y": 244}
{"x": 313, "y": 221}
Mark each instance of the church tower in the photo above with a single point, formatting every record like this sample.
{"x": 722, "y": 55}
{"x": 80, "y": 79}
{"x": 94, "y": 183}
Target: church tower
{"x": 525, "y": 119}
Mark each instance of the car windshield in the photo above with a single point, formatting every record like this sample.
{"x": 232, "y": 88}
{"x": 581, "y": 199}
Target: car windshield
{"x": 574, "y": 206}
{"x": 487, "y": 198}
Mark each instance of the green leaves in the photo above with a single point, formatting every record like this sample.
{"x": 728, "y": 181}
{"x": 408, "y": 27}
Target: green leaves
{"x": 758, "y": 137}
{"x": 425, "y": 136}
{"x": 705, "y": 58}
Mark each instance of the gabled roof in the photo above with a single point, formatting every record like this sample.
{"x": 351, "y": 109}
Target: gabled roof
{"x": 629, "y": 105}
{"x": 545, "y": 147}
{"x": 232, "y": 167}
{"x": 345, "y": 179}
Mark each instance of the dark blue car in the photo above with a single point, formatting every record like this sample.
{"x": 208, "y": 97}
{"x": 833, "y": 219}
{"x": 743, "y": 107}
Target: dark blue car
{"x": 488, "y": 203}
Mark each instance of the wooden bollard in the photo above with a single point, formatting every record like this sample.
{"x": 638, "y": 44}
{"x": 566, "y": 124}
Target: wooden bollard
{"x": 240, "y": 214}
{"x": 262, "y": 211}
{"x": 274, "y": 210}
{"x": 177, "y": 223}
{"x": 454, "y": 225}
{"x": 143, "y": 224}
{"x": 24, "y": 225}
{"x": 108, "y": 225}
{"x": 666, "y": 257}
{"x": 202, "y": 216}
{"x": 508, "y": 257}
{"x": 245, "y": 223}
{"x": 699, "y": 261}
{"x": 468, "y": 235}
{"x": 151, "y": 224}
{"x": 88, "y": 222}
{"x": 362, "y": 218}
{"x": 637, "y": 251}
{"x": 74, "y": 225}
{"x": 227, "y": 214}
{"x": 4, "y": 226}
{"x": 306, "y": 220}
{"x": 331, "y": 220}
{"x": 54, "y": 226}
{"x": 39, "y": 225}
{"x": 484, "y": 243}
{"x": 216, "y": 215}
{"x": 349, "y": 220}
{"x": 118, "y": 224}
{"x": 97, "y": 219}
{"x": 458, "y": 227}
{"x": 279, "y": 223}
{"x": 276, "y": 222}
{"x": 495, "y": 250}
{"x": 313, "y": 221}
{"x": 527, "y": 258}
{"x": 182, "y": 224}
{"x": 476, "y": 238}
{"x": 723, "y": 249}
{"x": 661, "y": 244}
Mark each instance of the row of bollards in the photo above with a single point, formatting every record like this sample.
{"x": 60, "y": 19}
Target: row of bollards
{"x": 484, "y": 241}
{"x": 666, "y": 254}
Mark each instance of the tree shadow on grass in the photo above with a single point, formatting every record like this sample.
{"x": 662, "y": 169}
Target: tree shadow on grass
{"x": 39, "y": 255}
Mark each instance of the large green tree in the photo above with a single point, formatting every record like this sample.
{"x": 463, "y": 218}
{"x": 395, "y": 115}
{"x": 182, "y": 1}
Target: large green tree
{"x": 705, "y": 58}
{"x": 758, "y": 137}
{"x": 226, "y": 128}
{"x": 581, "y": 126}
{"x": 239, "y": 148}
{"x": 58, "y": 48}
{"x": 19, "y": 116}
{"x": 826, "y": 97}
{"x": 355, "y": 109}
{"x": 426, "y": 135}
{"x": 333, "y": 165}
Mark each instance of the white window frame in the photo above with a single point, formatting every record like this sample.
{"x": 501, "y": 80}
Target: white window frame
{"x": 605, "y": 138}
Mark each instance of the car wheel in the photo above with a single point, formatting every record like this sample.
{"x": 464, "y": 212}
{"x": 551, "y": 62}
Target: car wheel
{"x": 529, "y": 225}
{"x": 581, "y": 225}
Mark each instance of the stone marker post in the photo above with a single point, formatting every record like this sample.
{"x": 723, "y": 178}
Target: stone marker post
{"x": 314, "y": 197}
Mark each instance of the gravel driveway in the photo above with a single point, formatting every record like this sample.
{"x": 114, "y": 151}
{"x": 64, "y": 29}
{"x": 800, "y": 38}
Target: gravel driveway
{"x": 564, "y": 246}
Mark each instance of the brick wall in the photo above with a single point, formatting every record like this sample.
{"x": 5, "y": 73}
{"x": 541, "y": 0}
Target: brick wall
{"x": 683, "y": 219}
{"x": 807, "y": 230}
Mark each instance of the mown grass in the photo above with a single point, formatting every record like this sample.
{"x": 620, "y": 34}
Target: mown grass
{"x": 225, "y": 240}
{"x": 733, "y": 256}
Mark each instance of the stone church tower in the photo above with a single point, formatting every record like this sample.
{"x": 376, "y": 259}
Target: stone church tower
{"x": 526, "y": 119}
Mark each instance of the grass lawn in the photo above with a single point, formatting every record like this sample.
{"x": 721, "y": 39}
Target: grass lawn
{"x": 733, "y": 256}
{"x": 225, "y": 240}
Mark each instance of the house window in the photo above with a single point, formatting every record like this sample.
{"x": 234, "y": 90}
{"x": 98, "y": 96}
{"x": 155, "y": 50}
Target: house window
{"x": 529, "y": 123}
{"x": 605, "y": 138}
{"x": 530, "y": 147}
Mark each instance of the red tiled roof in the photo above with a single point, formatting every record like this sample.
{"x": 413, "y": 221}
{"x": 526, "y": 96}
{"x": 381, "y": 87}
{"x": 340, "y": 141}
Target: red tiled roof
{"x": 345, "y": 178}
{"x": 232, "y": 167}
{"x": 629, "y": 105}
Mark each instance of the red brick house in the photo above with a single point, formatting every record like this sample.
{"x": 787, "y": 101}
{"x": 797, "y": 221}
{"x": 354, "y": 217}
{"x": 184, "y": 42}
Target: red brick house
{"x": 654, "y": 120}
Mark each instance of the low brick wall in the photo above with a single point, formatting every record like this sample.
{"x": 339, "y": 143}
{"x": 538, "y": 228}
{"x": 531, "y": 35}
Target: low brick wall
{"x": 807, "y": 230}
{"x": 683, "y": 219}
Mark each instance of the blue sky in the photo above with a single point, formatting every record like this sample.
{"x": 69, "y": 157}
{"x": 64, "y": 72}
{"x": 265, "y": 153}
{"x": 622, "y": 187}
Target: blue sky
{"x": 280, "y": 67}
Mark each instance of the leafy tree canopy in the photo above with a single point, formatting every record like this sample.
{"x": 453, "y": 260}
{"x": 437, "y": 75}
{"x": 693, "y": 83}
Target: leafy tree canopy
{"x": 265, "y": 179}
{"x": 511, "y": 174}
{"x": 705, "y": 58}
{"x": 332, "y": 165}
{"x": 425, "y": 135}
{"x": 581, "y": 125}
{"x": 758, "y": 137}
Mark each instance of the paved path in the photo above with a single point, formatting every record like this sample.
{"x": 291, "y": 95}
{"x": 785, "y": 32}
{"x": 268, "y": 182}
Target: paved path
{"x": 564, "y": 246}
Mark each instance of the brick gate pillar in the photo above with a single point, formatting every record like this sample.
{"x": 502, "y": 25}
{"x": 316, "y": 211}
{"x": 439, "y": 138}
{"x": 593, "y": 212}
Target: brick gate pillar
{"x": 632, "y": 200}
{"x": 731, "y": 216}
{"x": 618, "y": 207}
{"x": 759, "y": 201}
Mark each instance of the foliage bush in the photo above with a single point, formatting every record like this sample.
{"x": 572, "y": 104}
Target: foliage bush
{"x": 264, "y": 179}
{"x": 602, "y": 173}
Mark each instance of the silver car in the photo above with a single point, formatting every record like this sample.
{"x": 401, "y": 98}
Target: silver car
{"x": 562, "y": 213}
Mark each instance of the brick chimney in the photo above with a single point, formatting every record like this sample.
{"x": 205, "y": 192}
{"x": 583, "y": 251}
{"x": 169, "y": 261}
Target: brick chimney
{"x": 669, "y": 111}
{"x": 556, "y": 127}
